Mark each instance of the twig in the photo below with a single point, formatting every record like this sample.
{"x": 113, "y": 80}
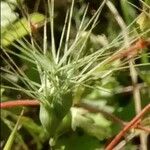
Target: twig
{"x": 130, "y": 88}
{"x": 136, "y": 91}
{"x": 146, "y": 129}
{"x": 26, "y": 102}
{"x": 110, "y": 116}
{"x": 132, "y": 51}
{"x": 127, "y": 127}
{"x": 125, "y": 141}
{"x": 137, "y": 101}
{"x": 15, "y": 103}
{"x": 93, "y": 109}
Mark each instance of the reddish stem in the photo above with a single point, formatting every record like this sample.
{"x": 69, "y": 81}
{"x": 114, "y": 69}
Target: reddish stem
{"x": 146, "y": 129}
{"x": 26, "y": 102}
{"x": 127, "y": 127}
{"x": 132, "y": 50}
{"x": 15, "y": 103}
{"x": 98, "y": 110}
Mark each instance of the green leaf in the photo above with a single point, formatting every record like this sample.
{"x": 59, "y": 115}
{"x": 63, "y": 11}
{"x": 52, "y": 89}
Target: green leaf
{"x": 144, "y": 73}
{"x": 20, "y": 28}
{"x": 147, "y": 2}
{"x": 93, "y": 124}
{"x": 11, "y": 138}
{"x": 129, "y": 12}
{"x": 35, "y": 131}
{"x": 7, "y": 14}
{"x": 78, "y": 142}
{"x": 144, "y": 18}
{"x": 144, "y": 21}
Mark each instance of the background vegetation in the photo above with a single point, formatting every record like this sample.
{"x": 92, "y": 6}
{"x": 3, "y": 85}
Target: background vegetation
{"x": 41, "y": 63}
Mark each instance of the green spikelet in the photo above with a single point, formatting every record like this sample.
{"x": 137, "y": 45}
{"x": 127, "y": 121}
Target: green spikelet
{"x": 52, "y": 116}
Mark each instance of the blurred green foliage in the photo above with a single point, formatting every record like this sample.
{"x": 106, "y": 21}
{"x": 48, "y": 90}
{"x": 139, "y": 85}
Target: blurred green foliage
{"x": 86, "y": 130}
